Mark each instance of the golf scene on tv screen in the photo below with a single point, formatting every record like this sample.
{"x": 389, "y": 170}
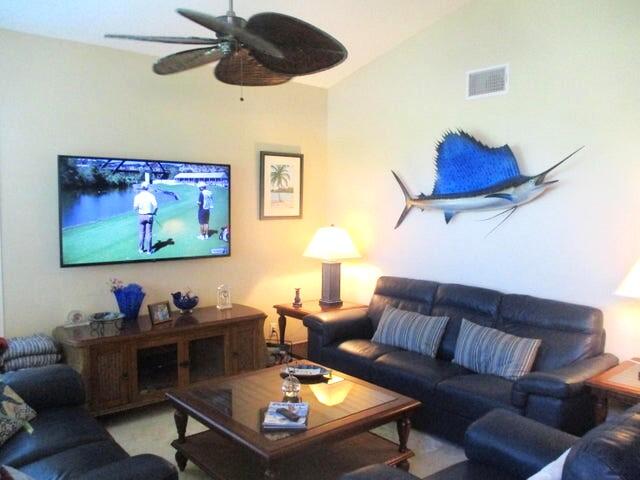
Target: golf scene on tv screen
{"x": 115, "y": 210}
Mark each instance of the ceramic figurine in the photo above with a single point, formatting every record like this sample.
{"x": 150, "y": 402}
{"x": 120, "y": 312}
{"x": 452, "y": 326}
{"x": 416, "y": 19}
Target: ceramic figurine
{"x": 297, "y": 301}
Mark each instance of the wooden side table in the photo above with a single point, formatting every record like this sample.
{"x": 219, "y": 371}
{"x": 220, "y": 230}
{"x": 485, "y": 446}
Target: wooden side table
{"x": 620, "y": 383}
{"x": 285, "y": 310}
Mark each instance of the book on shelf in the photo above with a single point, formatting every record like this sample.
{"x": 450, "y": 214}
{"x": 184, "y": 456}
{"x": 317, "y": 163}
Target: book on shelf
{"x": 276, "y": 421}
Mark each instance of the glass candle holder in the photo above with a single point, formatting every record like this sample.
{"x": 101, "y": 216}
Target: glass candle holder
{"x": 291, "y": 389}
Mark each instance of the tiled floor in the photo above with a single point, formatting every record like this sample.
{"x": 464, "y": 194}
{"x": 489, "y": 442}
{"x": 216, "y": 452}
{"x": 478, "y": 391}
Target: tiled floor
{"x": 151, "y": 430}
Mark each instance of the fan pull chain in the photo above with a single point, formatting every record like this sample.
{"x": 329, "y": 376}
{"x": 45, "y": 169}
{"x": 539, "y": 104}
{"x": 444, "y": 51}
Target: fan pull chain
{"x": 241, "y": 79}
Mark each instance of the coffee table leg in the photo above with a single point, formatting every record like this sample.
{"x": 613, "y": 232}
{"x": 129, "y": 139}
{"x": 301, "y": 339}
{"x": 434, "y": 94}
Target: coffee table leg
{"x": 180, "y": 418}
{"x": 404, "y": 428}
{"x": 181, "y": 424}
{"x": 181, "y": 461}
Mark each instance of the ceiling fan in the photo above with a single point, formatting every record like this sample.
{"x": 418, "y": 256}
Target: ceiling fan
{"x": 268, "y": 49}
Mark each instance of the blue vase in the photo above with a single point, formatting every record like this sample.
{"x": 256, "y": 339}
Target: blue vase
{"x": 130, "y": 300}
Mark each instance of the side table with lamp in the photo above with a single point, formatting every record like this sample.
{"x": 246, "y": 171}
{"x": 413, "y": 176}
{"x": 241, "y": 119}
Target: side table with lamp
{"x": 331, "y": 245}
{"x": 622, "y": 382}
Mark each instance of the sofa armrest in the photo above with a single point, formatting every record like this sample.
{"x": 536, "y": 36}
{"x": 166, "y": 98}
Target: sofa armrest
{"x": 335, "y": 325}
{"x": 140, "y": 467}
{"x": 563, "y": 382}
{"x": 45, "y": 387}
{"x": 513, "y": 443}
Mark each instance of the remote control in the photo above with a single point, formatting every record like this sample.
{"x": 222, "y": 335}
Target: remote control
{"x": 286, "y": 413}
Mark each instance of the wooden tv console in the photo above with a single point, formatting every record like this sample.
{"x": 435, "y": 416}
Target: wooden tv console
{"x": 136, "y": 365}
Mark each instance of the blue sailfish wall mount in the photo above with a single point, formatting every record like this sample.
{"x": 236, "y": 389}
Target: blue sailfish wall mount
{"x": 472, "y": 176}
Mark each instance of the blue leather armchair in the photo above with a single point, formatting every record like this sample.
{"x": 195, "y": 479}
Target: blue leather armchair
{"x": 67, "y": 442}
{"x": 505, "y": 446}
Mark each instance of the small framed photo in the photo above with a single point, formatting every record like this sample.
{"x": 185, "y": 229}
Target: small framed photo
{"x": 280, "y": 185}
{"x": 159, "y": 312}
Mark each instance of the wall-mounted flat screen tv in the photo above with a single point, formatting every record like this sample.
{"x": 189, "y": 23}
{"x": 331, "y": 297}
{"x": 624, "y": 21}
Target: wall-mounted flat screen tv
{"x": 120, "y": 210}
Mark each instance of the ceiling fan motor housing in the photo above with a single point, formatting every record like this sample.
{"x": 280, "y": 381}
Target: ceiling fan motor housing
{"x": 231, "y": 20}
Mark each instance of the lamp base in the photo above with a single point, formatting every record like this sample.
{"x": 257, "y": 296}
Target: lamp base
{"x": 330, "y": 304}
{"x": 330, "y": 285}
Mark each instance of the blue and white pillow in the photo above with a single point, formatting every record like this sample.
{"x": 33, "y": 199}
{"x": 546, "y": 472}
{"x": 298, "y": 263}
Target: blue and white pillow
{"x": 487, "y": 350}
{"x": 410, "y": 331}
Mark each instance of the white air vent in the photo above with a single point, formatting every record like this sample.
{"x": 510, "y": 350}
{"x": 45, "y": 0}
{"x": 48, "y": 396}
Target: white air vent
{"x": 488, "y": 82}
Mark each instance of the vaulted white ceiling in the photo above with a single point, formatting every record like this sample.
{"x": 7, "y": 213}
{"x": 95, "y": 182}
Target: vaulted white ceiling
{"x": 368, "y": 28}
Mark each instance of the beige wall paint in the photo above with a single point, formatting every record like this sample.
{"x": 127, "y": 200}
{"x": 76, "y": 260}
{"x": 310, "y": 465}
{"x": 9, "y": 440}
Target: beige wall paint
{"x": 63, "y": 97}
{"x": 574, "y": 81}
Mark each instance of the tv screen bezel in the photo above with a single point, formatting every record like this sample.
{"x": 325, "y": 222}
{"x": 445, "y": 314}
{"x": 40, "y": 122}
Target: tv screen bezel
{"x": 146, "y": 260}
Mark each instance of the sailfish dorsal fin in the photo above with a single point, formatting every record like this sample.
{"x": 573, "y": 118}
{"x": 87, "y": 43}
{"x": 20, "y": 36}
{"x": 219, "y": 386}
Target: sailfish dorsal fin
{"x": 463, "y": 164}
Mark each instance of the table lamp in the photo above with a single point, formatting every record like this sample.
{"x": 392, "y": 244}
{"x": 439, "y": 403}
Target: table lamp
{"x": 331, "y": 244}
{"x": 630, "y": 286}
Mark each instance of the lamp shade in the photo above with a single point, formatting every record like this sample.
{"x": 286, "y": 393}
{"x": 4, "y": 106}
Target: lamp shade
{"x": 331, "y": 244}
{"x": 630, "y": 286}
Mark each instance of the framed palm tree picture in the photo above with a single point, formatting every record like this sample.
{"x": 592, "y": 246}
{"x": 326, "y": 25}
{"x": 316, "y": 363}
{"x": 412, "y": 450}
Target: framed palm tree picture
{"x": 280, "y": 185}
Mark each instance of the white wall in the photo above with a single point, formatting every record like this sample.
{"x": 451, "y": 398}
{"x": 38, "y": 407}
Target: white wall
{"x": 574, "y": 81}
{"x": 59, "y": 97}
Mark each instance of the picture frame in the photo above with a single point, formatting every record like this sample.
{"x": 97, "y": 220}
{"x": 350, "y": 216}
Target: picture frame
{"x": 281, "y": 185}
{"x": 159, "y": 312}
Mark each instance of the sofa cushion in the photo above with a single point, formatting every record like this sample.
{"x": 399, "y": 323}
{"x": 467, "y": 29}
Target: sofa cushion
{"x": 568, "y": 332}
{"x": 472, "y": 396}
{"x": 54, "y": 430}
{"x": 75, "y": 461}
{"x": 553, "y": 470}
{"x": 611, "y": 450}
{"x": 410, "y": 331}
{"x": 412, "y": 374}
{"x": 15, "y": 414}
{"x": 403, "y": 293}
{"x": 487, "y": 350}
{"x": 479, "y": 305}
{"x": 354, "y": 356}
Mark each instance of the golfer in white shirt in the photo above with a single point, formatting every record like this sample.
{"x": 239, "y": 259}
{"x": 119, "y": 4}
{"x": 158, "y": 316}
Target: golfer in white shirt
{"x": 146, "y": 205}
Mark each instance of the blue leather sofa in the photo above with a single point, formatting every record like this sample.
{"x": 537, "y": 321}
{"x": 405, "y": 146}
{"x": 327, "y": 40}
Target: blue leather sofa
{"x": 67, "y": 443}
{"x": 453, "y": 397}
{"x": 505, "y": 446}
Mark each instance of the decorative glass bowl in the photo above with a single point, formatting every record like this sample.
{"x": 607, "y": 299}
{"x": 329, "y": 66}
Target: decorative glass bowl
{"x": 185, "y": 303}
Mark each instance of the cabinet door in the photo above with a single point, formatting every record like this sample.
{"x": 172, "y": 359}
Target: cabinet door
{"x": 109, "y": 377}
{"x": 156, "y": 367}
{"x": 206, "y": 358}
{"x": 245, "y": 346}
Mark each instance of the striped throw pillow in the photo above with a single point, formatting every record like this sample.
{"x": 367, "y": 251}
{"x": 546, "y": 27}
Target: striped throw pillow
{"x": 410, "y": 331}
{"x": 487, "y": 350}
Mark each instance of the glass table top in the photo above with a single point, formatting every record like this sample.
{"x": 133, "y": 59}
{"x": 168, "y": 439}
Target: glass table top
{"x": 245, "y": 398}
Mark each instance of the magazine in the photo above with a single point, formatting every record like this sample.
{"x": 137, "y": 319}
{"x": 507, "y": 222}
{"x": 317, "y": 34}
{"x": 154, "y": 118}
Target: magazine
{"x": 276, "y": 421}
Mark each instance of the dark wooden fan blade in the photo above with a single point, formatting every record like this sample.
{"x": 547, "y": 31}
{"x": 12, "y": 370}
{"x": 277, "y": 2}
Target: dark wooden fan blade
{"x": 181, "y": 61}
{"x": 241, "y": 68}
{"x": 180, "y": 40}
{"x": 241, "y": 34}
{"x": 306, "y": 49}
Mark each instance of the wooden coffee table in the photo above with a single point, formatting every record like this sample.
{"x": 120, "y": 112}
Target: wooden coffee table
{"x": 342, "y": 410}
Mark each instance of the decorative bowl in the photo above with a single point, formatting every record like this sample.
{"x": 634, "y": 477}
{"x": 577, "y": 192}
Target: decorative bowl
{"x": 184, "y": 303}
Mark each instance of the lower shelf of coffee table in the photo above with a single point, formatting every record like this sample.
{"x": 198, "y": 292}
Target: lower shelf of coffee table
{"x": 224, "y": 460}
